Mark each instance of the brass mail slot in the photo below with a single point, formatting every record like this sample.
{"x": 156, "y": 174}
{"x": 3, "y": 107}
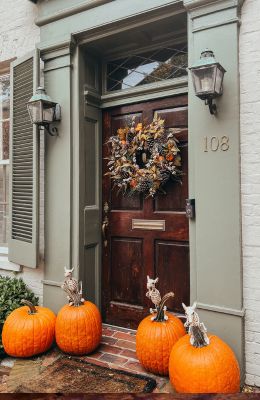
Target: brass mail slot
{"x": 149, "y": 224}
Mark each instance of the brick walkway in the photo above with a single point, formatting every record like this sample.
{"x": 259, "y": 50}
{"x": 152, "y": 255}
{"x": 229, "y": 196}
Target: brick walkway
{"x": 117, "y": 350}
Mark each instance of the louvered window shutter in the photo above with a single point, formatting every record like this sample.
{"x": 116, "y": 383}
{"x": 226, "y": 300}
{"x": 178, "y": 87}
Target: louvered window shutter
{"x": 24, "y": 150}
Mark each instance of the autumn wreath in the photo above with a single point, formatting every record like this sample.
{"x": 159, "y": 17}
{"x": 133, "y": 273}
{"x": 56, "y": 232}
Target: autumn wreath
{"x": 144, "y": 158}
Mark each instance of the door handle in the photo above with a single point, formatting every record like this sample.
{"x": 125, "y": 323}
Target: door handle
{"x": 104, "y": 230}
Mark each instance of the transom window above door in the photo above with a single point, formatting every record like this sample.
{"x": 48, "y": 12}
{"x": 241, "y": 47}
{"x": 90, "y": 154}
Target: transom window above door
{"x": 156, "y": 65}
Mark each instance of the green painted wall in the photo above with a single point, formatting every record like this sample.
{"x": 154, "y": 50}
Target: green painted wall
{"x": 58, "y": 178}
{"x": 216, "y": 272}
{"x": 216, "y": 269}
{"x": 77, "y": 21}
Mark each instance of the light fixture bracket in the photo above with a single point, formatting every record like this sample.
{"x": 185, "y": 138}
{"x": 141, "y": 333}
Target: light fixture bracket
{"x": 51, "y": 131}
{"x": 212, "y": 106}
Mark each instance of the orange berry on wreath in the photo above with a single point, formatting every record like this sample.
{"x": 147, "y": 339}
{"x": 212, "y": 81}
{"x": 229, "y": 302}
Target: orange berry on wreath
{"x": 169, "y": 157}
{"x": 133, "y": 183}
{"x": 139, "y": 126}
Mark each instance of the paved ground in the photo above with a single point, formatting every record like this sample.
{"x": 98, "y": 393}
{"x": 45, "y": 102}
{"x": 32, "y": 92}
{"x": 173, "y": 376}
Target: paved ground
{"x": 117, "y": 350}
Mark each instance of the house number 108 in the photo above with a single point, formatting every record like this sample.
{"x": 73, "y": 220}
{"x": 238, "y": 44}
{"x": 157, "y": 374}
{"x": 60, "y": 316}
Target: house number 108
{"x": 214, "y": 143}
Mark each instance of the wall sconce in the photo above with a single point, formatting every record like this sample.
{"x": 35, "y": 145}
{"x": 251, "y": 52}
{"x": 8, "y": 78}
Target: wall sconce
{"x": 207, "y": 75}
{"x": 43, "y": 111}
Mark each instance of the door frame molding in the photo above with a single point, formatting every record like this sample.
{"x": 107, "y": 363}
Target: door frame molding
{"x": 135, "y": 20}
{"x": 94, "y": 99}
{"x": 167, "y": 88}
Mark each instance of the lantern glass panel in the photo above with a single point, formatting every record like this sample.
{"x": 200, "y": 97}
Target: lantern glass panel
{"x": 219, "y": 80}
{"x": 204, "y": 80}
{"x": 48, "y": 112}
{"x": 35, "y": 111}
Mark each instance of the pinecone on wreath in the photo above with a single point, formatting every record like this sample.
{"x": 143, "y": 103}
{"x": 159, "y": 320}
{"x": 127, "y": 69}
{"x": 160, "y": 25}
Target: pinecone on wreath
{"x": 124, "y": 174}
{"x": 130, "y": 136}
{"x": 162, "y": 139}
{"x": 150, "y": 144}
{"x": 144, "y": 186}
{"x": 164, "y": 176}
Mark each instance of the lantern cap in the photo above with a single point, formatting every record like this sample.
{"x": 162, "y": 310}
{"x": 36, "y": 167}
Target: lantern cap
{"x": 41, "y": 95}
{"x": 207, "y": 58}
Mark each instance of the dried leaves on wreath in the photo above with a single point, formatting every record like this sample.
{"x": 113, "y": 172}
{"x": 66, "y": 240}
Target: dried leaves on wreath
{"x": 143, "y": 158}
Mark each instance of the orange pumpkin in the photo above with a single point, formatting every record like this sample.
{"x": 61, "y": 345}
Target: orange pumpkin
{"x": 78, "y": 328}
{"x": 27, "y": 332}
{"x": 211, "y": 368}
{"x": 155, "y": 339}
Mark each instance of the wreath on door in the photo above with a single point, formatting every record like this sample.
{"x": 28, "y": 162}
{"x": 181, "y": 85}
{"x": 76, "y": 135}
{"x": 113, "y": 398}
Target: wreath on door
{"x": 143, "y": 158}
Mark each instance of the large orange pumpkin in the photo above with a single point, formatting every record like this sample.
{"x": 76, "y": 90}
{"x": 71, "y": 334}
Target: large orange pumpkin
{"x": 212, "y": 368}
{"x": 155, "y": 339}
{"x": 28, "y": 330}
{"x": 78, "y": 327}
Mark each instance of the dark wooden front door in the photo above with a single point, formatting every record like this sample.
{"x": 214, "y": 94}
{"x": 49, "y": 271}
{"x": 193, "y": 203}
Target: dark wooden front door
{"x": 132, "y": 254}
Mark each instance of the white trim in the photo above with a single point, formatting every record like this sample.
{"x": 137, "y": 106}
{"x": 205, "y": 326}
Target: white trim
{"x": 3, "y": 250}
{"x": 4, "y": 162}
{"x": 6, "y": 265}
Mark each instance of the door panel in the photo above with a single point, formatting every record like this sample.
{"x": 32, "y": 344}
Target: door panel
{"x": 126, "y": 267}
{"x": 119, "y": 202}
{"x": 169, "y": 256}
{"x": 132, "y": 254}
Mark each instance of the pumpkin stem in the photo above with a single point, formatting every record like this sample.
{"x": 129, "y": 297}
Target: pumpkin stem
{"x": 32, "y": 308}
{"x": 160, "y": 317}
{"x": 197, "y": 330}
{"x": 198, "y": 336}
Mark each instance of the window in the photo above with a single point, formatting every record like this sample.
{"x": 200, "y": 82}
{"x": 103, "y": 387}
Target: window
{"x": 4, "y": 154}
{"x": 148, "y": 67}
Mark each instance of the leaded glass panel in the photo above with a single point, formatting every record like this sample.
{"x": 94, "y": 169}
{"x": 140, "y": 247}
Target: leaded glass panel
{"x": 148, "y": 67}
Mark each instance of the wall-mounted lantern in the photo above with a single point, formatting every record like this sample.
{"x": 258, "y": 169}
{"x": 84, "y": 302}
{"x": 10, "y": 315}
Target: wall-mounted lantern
{"x": 43, "y": 111}
{"x": 207, "y": 75}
